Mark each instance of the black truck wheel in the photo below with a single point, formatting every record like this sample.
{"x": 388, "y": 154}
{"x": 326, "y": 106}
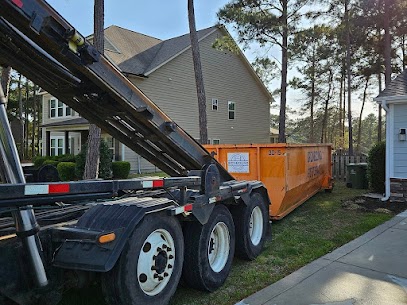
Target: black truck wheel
{"x": 150, "y": 266}
{"x": 209, "y": 250}
{"x": 251, "y": 223}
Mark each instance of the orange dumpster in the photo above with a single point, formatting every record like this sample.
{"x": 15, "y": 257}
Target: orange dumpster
{"x": 292, "y": 173}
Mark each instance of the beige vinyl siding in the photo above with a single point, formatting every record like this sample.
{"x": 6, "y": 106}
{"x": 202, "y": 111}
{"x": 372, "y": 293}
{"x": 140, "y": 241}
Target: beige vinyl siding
{"x": 45, "y": 111}
{"x": 134, "y": 159}
{"x": 227, "y": 78}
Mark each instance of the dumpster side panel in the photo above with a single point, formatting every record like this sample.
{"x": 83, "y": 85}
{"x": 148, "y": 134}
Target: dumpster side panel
{"x": 291, "y": 173}
{"x": 308, "y": 169}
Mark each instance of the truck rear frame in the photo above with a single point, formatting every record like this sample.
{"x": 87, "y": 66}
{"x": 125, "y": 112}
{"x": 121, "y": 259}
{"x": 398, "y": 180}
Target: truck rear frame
{"x": 157, "y": 228}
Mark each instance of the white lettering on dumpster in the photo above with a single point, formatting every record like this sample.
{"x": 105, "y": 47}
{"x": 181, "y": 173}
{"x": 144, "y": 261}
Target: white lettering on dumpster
{"x": 238, "y": 162}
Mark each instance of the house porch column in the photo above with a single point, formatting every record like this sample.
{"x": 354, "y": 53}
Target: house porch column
{"x": 66, "y": 138}
{"x": 48, "y": 143}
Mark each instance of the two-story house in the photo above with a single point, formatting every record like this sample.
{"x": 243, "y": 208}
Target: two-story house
{"x": 238, "y": 104}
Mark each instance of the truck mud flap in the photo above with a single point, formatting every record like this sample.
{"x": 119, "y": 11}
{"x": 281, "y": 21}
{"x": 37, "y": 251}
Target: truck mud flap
{"x": 78, "y": 247}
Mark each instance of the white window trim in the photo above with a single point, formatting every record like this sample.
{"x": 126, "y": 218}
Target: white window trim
{"x": 215, "y": 102}
{"x": 64, "y": 107}
{"x": 213, "y": 141}
{"x": 234, "y": 111}
{"x": 56, "y": 138}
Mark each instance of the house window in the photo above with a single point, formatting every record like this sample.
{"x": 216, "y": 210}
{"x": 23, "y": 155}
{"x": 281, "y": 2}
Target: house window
{"x": 231, "y": 110}
{"x": 111, "y": 145}
{"x": 57, "y": 109}
{"x": 57, "y": 146}
{"x": 215, "y": 141}
{"x": 215, "y": 104}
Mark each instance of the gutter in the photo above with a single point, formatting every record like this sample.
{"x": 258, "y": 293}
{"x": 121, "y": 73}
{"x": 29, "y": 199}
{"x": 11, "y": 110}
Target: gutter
{"x": 388, "y": 142}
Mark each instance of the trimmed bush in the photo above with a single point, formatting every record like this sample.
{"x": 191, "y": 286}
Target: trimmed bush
{"x": 66, "y": 171}
{"x": 121, "y": 169}
{"x": 376, "y": 167}
{"x": 50, "y": 162}
{"x": 66, "y": 158}
{"x": 105, "y": 165}
{"x": 39, "y": 160}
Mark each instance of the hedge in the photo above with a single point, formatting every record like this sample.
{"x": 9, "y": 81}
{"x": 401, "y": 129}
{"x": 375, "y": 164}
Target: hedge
{"x": 39, "y": 160}
{"x": 105, "y": 165}
{"x": 66, "y": 171}
{"x": 50, "y": 162}
{"x": 121, "y": 169}
{"x": 376, "y": 167}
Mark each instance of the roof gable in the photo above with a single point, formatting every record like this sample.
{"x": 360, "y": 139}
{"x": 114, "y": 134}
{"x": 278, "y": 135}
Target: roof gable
{"x": 397, "y": 87}
{"x": 151, "y": 59}
{"x": 122, "y": 44}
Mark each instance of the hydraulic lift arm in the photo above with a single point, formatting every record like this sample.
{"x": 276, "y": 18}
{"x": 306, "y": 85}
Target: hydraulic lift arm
{"x": 55, "y": 56}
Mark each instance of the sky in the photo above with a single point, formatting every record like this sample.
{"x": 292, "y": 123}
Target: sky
{"x": 158, "y": 18}
{"x": 165, "y": 19}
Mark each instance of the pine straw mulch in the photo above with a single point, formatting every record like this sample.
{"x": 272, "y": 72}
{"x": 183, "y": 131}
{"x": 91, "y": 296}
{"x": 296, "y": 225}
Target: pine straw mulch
{"x": 375, "y": 205}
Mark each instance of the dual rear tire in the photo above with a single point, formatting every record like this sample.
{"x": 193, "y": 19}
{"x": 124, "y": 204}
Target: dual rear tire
{"x": 209, "y": 248}
{"x": 150, "y": 266}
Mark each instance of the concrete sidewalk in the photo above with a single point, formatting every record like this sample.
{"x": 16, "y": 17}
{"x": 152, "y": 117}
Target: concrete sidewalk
{"x": 371, "y": 269}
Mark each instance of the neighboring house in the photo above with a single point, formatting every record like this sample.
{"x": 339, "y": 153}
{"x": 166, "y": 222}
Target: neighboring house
{"x": 238, "y": 104}
{"x": 273, "y": 135}
{"x": 394, "y": 101}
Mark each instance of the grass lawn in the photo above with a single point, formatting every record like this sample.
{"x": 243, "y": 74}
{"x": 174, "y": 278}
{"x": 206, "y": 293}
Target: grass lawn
{"x": 159, "y": 174}
{"x": 312, "y": 230}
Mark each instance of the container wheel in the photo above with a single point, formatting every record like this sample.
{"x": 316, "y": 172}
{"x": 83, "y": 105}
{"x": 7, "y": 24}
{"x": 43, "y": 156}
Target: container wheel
{"x": 209, "y": 250}
{"x": 150, "y": 266}
{"x": 251, "y": 223}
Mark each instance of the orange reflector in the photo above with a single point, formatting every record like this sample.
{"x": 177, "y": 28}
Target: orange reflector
{"x": 107, "y": 238}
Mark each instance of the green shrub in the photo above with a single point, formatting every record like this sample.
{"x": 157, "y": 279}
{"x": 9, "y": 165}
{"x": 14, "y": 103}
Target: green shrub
{"x": 105, "y": 165}
{"x": 80, "y": 160}
{"x": 121, "y": 169}
{"x": 66, "y": 158}
{"x": 51, "y": 162}
{"x": 66, "y": 171}
{"x": 376, "y": 167}
{"x": 39, "y": 160}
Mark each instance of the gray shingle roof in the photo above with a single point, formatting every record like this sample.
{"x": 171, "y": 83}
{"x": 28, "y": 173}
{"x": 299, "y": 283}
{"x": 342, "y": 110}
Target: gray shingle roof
{"x": 122, "y": 44}
{"x": 140, "y": 54}
{"x": 397, "y": 86}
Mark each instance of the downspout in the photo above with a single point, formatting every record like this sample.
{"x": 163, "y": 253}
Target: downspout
{"x": 388, "y": 136}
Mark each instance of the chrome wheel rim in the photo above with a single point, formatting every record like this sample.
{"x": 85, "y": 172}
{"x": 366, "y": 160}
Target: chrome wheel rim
{"x": 256, "y": 226}
{"x": 156, "y": 262}
{"x": 219, "y": 247}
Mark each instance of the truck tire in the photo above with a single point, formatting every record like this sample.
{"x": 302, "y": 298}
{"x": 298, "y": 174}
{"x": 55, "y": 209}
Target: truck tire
{"x": 209, "y": 250}
{"x": 150, "y": 266}
{"x": 251, "y": 222}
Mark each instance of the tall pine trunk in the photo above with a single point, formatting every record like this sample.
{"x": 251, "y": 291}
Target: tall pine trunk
{"x": 284, "y": 68}
{"x": 361, "y": 113}
{"x": 20, "y": 114}
{"x": 328, "y": 98}
{"x": 348, "y": 69}
{"x": 35, "y": 115}
{"x": 200, "y": 89}
{"x": 311, "y": 136}
{"x": 26, "y": 116}
{"x": 93, "y": 156}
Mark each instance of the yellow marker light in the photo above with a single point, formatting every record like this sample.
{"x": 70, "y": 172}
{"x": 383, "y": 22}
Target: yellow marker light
{"x": 107, "y": 238}
{"x": 75, "y": 41}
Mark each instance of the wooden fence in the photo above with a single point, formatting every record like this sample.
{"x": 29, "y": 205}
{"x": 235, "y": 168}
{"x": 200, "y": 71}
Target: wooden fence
{"x": 340, "y": 162}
